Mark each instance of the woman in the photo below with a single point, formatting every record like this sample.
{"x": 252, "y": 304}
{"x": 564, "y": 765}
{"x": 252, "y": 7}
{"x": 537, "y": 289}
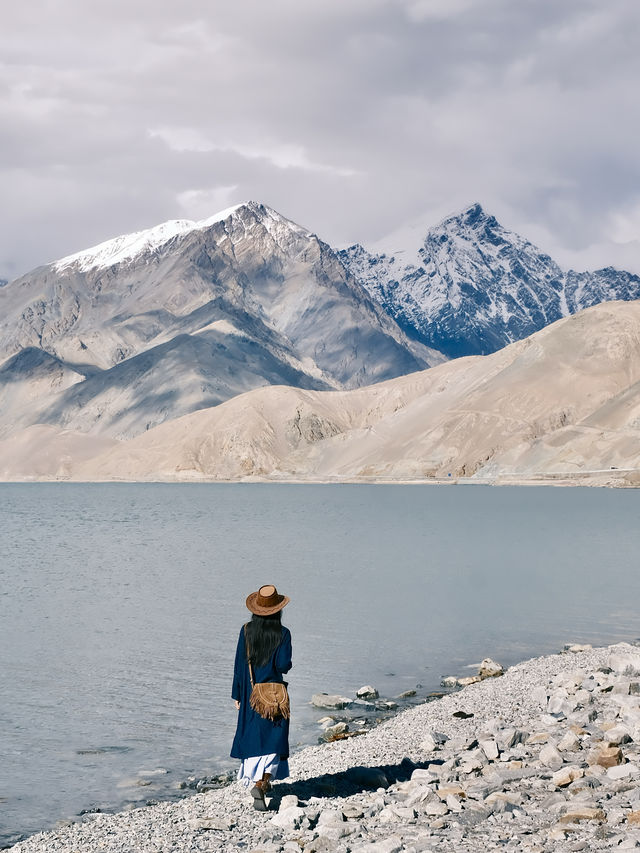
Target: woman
{"x": 261, "y": 744}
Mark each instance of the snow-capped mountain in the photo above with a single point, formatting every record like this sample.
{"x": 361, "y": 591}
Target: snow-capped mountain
{"x": 149, "y": 326}
{"x": 474, "y": 287}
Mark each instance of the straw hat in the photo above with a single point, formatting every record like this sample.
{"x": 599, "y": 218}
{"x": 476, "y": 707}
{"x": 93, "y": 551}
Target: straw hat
{"x": 266, "y": 601}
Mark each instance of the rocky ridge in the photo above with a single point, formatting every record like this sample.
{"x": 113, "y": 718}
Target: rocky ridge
{"x": 543, "y": 758}
{"x": 184, "y": 316}
{"x": 473, "y": 287}
{"x": 564, "y": 403}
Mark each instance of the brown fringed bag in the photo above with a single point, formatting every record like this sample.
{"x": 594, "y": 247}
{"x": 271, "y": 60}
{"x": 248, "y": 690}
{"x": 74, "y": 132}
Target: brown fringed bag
{"x": 269, "y": 699}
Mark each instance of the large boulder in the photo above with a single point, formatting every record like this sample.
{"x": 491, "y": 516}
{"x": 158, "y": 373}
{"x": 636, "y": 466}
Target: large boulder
{"x": 490, "y": 669}
{"x": 326, "y": 700}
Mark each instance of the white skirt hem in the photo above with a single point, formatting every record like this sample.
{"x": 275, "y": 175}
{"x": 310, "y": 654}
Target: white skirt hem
{"x": 253, "y": 769}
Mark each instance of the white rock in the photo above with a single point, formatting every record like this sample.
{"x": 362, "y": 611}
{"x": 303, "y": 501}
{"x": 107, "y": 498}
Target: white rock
{"x": 569, "y": 742}
{"x": 539, "y": 696}
{"x": 470, "y": 765}
{"x": 422, "y": 794}
{"x": 334, "y": 831}
{"x": 212, "y": 823}
{"x": 423, "y": 776}
{"x": 433, "y": 741}
{"x": 367, "y": 692}
{"x": 428, "y": 743}
{"x": 336, "y": 729}
{"x": 557, "y": 700}
{"x": 626, "y": 664}
{"x": 489, "y": 747}
{"x": 490, "y": 669}
{"x": 388, "y": 845}
{"x": 436, "y": 807}
{"x": 325, "y": 700}
{"x": 617, "y": 735}
{"x": 550, "y": 757}
{"x": 622, "y": 771}
{"x": 288, "y": 802}
{"x": 405, "y": 813}
{"x": 563, "y": 777}
{"x": 352, "y": 811}
{"x": 389, "y": 815}
{"x": 453, "y": 803}
{"x": 290, "y": 817}
{"x": 330, "y": 816}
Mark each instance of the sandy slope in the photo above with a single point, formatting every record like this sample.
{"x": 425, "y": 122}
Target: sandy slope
{"x": 44, "y": 452}
{"x": 564, "y": 401}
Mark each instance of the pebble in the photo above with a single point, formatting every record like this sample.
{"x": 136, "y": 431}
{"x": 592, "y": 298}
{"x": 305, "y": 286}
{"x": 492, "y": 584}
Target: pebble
{"x": 549, "y": 760}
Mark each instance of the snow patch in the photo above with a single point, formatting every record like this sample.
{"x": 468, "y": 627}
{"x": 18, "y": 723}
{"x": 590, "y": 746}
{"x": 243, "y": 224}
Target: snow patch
{"x": 129, "y": 246}
{"x": 224, "y": 327}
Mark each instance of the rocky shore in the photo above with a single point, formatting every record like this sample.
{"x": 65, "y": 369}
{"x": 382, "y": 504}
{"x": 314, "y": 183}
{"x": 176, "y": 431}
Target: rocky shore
{"x": 545, "y": 757}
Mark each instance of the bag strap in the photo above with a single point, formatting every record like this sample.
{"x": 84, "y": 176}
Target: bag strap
{"x": 246, "y": 646}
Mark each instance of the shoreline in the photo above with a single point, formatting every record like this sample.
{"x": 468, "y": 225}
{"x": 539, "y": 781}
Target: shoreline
{"x": 435, "y": 781}
{"x": 621, "y": 478}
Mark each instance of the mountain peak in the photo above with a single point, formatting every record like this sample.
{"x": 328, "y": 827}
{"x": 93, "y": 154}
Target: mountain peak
{"x": 474, "y": 212}
{"x": 127, "y": 246}
{"x": 474, "y": 218}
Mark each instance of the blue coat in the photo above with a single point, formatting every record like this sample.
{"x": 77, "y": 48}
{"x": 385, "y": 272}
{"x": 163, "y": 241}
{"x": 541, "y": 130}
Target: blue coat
{"x": 255, "y": 735}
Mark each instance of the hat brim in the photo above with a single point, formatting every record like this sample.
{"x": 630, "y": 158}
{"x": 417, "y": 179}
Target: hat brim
{"x": 254, "y": 607}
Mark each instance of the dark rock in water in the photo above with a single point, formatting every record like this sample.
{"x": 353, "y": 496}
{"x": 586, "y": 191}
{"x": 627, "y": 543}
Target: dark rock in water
{"x": 208, "y": 783}
{"x": 102, "y": 750}
{"x": 340, "y": 736}
{"x": 336, "y": 729}
{"x": 386, "y": 705}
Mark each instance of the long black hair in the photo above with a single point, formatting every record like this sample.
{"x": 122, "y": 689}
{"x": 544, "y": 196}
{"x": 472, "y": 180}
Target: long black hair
{"x": 264, "y": 634}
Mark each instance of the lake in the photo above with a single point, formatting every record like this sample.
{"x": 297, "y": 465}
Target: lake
{"x": 120, "y": 606}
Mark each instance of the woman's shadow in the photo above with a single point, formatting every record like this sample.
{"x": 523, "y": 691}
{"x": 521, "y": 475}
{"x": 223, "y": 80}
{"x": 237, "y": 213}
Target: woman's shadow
{"x": 355, "y": 780}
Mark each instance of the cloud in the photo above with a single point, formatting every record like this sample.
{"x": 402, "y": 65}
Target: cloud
{"x": 437, "y": 10}
{"x": 625, "y": 224}
{"x": 352, "y": 117}
{"x": 281, "y": 155}
{"x": 199, "y": 204}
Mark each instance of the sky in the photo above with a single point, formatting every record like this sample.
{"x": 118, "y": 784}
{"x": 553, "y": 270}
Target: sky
{"x": 355, "y": 118}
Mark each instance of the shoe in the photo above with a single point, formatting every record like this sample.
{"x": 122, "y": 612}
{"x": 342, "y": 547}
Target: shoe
{"x": 259, "y": 802}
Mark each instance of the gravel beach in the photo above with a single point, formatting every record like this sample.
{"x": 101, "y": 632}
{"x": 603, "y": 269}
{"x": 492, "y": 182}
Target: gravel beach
{"x": 545, "y": 757}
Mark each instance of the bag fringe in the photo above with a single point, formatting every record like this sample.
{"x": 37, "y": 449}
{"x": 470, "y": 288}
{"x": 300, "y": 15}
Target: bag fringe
{"x": 271, "y": 703}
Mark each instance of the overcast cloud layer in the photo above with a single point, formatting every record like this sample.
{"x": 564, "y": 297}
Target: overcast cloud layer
{"x": 352, "y": 117}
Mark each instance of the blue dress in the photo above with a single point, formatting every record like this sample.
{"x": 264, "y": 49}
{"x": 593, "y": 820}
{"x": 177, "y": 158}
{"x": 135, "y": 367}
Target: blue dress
{"x": 255, "y": 735}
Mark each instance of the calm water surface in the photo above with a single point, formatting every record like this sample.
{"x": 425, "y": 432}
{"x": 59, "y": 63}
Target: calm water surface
{"x": 120, "y": 607}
